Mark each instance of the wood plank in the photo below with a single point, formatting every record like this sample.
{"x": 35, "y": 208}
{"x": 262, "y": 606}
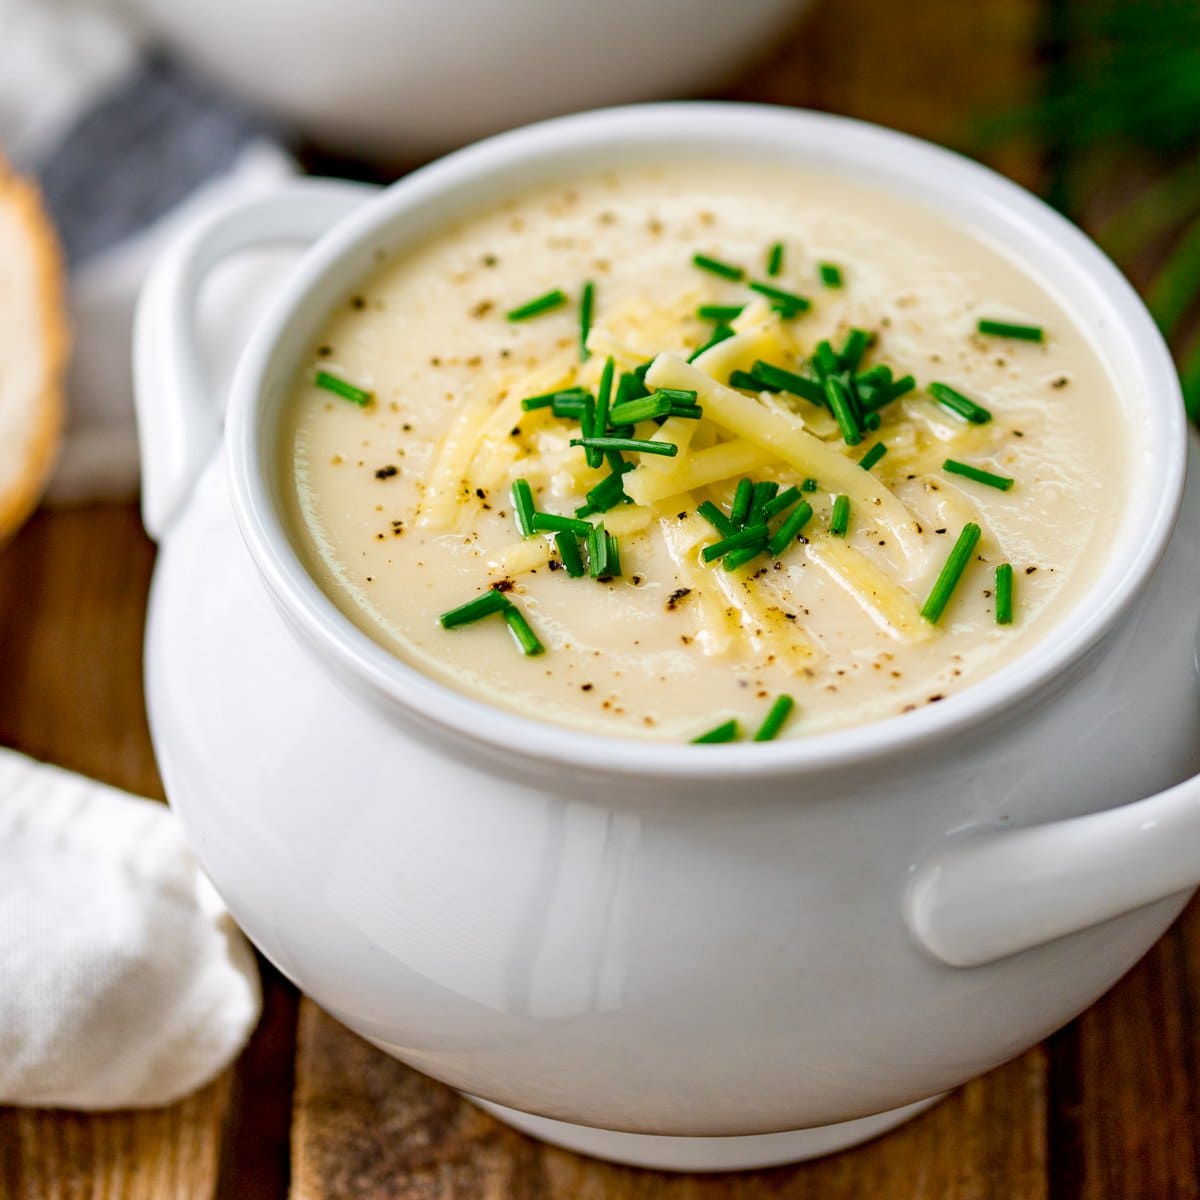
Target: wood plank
{"x": 159, "y": 1154}
{"x": 1123, "y": 1083}
{"x": 930, "y": 69}
{"x": 256, "y": 1143}
{"x": 369, "y": 1128}
{"x": 72, "y": 597}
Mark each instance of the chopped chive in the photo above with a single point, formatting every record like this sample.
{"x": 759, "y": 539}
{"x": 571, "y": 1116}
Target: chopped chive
{"x": 633, "y": 445}
{"x": 718, "y": 336}
{"x": 727, "y": 731}
{"x": 853, "y": 349}
{"x": 568, "y": 553}
{"x": 617, "y": 463}
{"x": 871, "y": 421}
{"x": 763, "y": 492}
{"x": 873, "y": 376}
{"x": 886, "y": 392}
{"x": 776, "y": 716}
{"x": 839, "y": 403}
{"x": 826, "y": 360}
{"x": 597, "y": 544}
{"x": 1026, "y": 333}
{"x": 716, "y": 518}
{"x": 749, "y": 383}
{"x": 788, "y": 303}
{"x": 614, "y": 555}
{"x": 1002, "y": 482}
{"x": 686, "y": 395}
{"x": 604, "y": 397}
{"x": 740, "y": 508}
{"x": 595, "y": 423}
{"x": 775, "y": 259}
{"x": 752, "y": 535}
{"x": 839, "y": 519}
{"x": 522, "y": 502}
{"x": 475, "y": 610}
{"x": 781, "y": 503}
{"x": 956, "y": 402}
{"x": 586, "y": 302}
{"x": 852, "y": 399}
{"x": 723, "y": 313}
{"x": 523, "y": 635}
{"x": 1004, "y": 594}
{"x": 787, "y": 533}
{"x": 951, "y": 572}
{"x": 692, "y": 412}
{"x": 717, "y": 267}
{"x": 631, "y": 386}
{"x": 347, "y": 391}
{"x": 575, "y": 406}
{"x": 739, "y": 558}
{"x": 608, "y": 493}
{"x": 809, "y": 485}
{"x": 831, "y": 274}
{"x": 547, "y": 399}
{"x": 537, "y": 306}
{"x": 774, "y": 378}
{"x": 872, "y": 456}
{"x": 645, "y": 408}
{"x": 544, "y": 522}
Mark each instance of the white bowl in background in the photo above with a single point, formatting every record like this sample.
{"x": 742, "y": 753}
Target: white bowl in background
{"x": 403, "y": 79}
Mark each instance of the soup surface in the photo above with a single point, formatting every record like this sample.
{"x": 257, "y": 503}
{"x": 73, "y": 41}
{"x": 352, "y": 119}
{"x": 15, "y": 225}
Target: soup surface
{"x": 857, "y": 609}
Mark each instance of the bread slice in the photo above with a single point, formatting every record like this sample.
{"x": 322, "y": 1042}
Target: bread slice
{"x": 33, "y": 349}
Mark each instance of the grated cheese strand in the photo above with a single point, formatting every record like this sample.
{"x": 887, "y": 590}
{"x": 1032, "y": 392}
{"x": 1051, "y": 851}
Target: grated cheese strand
{"x": 698, "y": 469}
{"x": 782, "y": 435}
{"x": 887, "y": 604}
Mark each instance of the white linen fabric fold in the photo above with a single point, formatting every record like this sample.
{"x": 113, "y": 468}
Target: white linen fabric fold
{"x": 123, "y": 980}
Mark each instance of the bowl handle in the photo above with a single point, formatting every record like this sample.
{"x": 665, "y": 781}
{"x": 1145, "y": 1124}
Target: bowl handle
{"x": 179, "y": 422}
{"x": 993, "y": 894}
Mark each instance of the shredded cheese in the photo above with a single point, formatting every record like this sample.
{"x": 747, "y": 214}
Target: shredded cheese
{"x": 783, "y": 436}
{"x": 447, "y": 482}
{"x": 697, "y": 470}
{"x": 533, "y": 552}
{"x": 713, "y": 628}
{"x": 891, "y": 608}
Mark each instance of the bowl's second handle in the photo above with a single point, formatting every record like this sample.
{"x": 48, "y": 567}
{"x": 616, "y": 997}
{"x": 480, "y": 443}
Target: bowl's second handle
{"x": 179, "y": 427}
{"x": 990, "y": 895}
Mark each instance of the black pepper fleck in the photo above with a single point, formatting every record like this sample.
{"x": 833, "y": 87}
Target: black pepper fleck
{"x": 679, "y": 594}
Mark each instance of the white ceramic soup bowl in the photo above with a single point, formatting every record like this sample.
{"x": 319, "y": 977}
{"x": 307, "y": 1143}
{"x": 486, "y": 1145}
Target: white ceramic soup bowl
{"x": 397, "y": 78}
{"x": 668, "y": 954}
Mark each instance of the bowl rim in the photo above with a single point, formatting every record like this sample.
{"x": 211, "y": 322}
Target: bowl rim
{"x": 841, "y": 142}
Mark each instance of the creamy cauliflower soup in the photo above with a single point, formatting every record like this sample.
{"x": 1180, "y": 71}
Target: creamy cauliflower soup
{"x": 705, "y": 452}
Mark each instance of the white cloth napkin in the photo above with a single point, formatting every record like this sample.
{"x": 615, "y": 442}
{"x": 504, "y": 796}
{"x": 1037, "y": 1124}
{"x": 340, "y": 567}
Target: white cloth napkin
{"x": 123, "y": 980}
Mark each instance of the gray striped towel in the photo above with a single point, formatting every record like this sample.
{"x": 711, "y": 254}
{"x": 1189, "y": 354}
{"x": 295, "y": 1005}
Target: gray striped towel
{"x": 127, "y": 147}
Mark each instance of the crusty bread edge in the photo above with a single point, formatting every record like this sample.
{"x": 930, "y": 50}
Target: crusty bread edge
{"x": 22, "y": 199}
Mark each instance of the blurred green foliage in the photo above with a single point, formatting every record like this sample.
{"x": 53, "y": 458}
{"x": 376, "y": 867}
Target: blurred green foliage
{"x": 1121, "y": 104}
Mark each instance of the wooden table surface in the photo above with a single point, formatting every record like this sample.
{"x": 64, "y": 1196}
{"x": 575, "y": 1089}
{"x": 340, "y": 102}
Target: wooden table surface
{"x": 1105, "y": 1110}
